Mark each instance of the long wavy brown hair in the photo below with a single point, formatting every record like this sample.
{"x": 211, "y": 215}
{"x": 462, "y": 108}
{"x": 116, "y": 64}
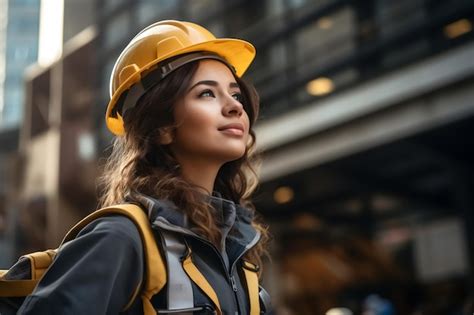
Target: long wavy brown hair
{"x": 138, "y": 163}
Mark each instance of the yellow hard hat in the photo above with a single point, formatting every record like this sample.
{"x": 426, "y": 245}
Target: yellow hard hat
{"x": 136, "y": 68}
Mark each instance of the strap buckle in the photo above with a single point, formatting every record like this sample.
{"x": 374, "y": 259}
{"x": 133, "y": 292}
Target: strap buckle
{"x": 249, "y": 266}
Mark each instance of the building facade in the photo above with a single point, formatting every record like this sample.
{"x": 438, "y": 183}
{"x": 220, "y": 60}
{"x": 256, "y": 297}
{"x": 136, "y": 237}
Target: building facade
{"x": 19, "y": 27}
{"x": 20, "y": 31}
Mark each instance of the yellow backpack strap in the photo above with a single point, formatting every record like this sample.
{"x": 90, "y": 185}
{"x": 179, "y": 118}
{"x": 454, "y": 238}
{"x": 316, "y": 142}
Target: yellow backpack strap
{"x": 16, "y": 288}
{"x": 155, "y": 269}
{"x": 199, "y": 279}
{"x": 251, "y": 276}
{"x": 39, "y": 263}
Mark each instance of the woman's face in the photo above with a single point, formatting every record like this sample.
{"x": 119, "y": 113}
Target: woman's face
{"x": 211, "y": 121}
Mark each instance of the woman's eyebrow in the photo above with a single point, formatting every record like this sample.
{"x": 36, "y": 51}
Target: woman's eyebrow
{"x": 234, "y": 85}
{"x": 213, "y": 83}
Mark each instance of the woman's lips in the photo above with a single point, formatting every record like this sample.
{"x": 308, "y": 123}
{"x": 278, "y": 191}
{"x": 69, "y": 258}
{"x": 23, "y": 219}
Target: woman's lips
{"x": 233, "y": 129}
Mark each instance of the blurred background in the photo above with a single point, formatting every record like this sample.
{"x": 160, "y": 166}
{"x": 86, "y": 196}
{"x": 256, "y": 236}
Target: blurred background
{"x": 366, "y": 132}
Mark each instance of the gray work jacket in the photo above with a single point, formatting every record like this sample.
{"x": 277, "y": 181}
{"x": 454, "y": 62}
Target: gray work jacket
{"x": 98, "y": 272}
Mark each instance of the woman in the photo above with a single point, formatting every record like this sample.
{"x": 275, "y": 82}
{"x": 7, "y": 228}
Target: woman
{"x": 183, "y": 119}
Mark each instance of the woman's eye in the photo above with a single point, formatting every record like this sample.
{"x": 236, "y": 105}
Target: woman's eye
{"x": 206, "y": 93}
{"x": 237, "y": 97}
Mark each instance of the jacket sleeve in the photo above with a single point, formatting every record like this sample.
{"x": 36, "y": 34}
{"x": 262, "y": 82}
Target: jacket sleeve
{"x": 96, "y": 273}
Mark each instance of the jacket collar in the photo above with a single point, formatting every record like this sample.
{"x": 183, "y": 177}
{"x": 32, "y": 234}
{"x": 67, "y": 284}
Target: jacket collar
{"x": 235, "y": 220}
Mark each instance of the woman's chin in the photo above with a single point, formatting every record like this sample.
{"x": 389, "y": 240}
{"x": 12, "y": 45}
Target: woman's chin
{"x": 232, "y": 155}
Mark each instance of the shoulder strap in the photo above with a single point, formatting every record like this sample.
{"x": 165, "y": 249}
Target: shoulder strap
{"x": 251, "y": 276}
{"x": 155, "y": 269}
{"x": 38, "y": 264}
{"x": 198, "y": 278}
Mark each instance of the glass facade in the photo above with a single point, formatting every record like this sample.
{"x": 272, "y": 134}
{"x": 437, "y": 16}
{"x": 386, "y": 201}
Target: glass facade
{"x": 117, "y": 30}
{"x": 22, "y": 50}
{"x": 111, "y": 5}
{"x": 149, "y": 11}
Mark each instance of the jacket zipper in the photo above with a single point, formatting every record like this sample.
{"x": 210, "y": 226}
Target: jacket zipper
{"x": 247, "y": 248}
{"x": 230, "y": 275}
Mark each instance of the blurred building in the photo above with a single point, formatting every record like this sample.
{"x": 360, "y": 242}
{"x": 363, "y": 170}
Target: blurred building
{"x": 19, "y": 48}
{"x": 366, "y": 124}
{"x": 19, "y": 26}
{"x": 29, "y": 106}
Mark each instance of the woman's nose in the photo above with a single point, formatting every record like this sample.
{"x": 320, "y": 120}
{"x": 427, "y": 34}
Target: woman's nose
{"x": 233, "y": 107}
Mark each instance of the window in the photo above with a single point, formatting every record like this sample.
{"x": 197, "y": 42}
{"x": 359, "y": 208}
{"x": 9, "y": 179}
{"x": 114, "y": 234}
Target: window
{"x": 325, "y": 40}
{"x": 150, "y": 11}
{"x": 110, "y": 5}
{"x": 117, "y": 29}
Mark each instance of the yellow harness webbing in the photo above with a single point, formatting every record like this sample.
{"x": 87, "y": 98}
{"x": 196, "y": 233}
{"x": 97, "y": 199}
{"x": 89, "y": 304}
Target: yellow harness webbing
{"x": 193, "y": 272}
{"x": 251, "y": 276}
{"x": 39, "y": 263}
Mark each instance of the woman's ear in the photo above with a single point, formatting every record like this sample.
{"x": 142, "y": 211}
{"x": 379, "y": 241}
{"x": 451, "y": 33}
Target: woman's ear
{"x": 165, "y": 136}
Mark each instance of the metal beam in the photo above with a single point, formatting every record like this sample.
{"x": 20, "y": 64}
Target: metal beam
{"x": 383, "y": 127}
{"x": 372, "y": 96}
